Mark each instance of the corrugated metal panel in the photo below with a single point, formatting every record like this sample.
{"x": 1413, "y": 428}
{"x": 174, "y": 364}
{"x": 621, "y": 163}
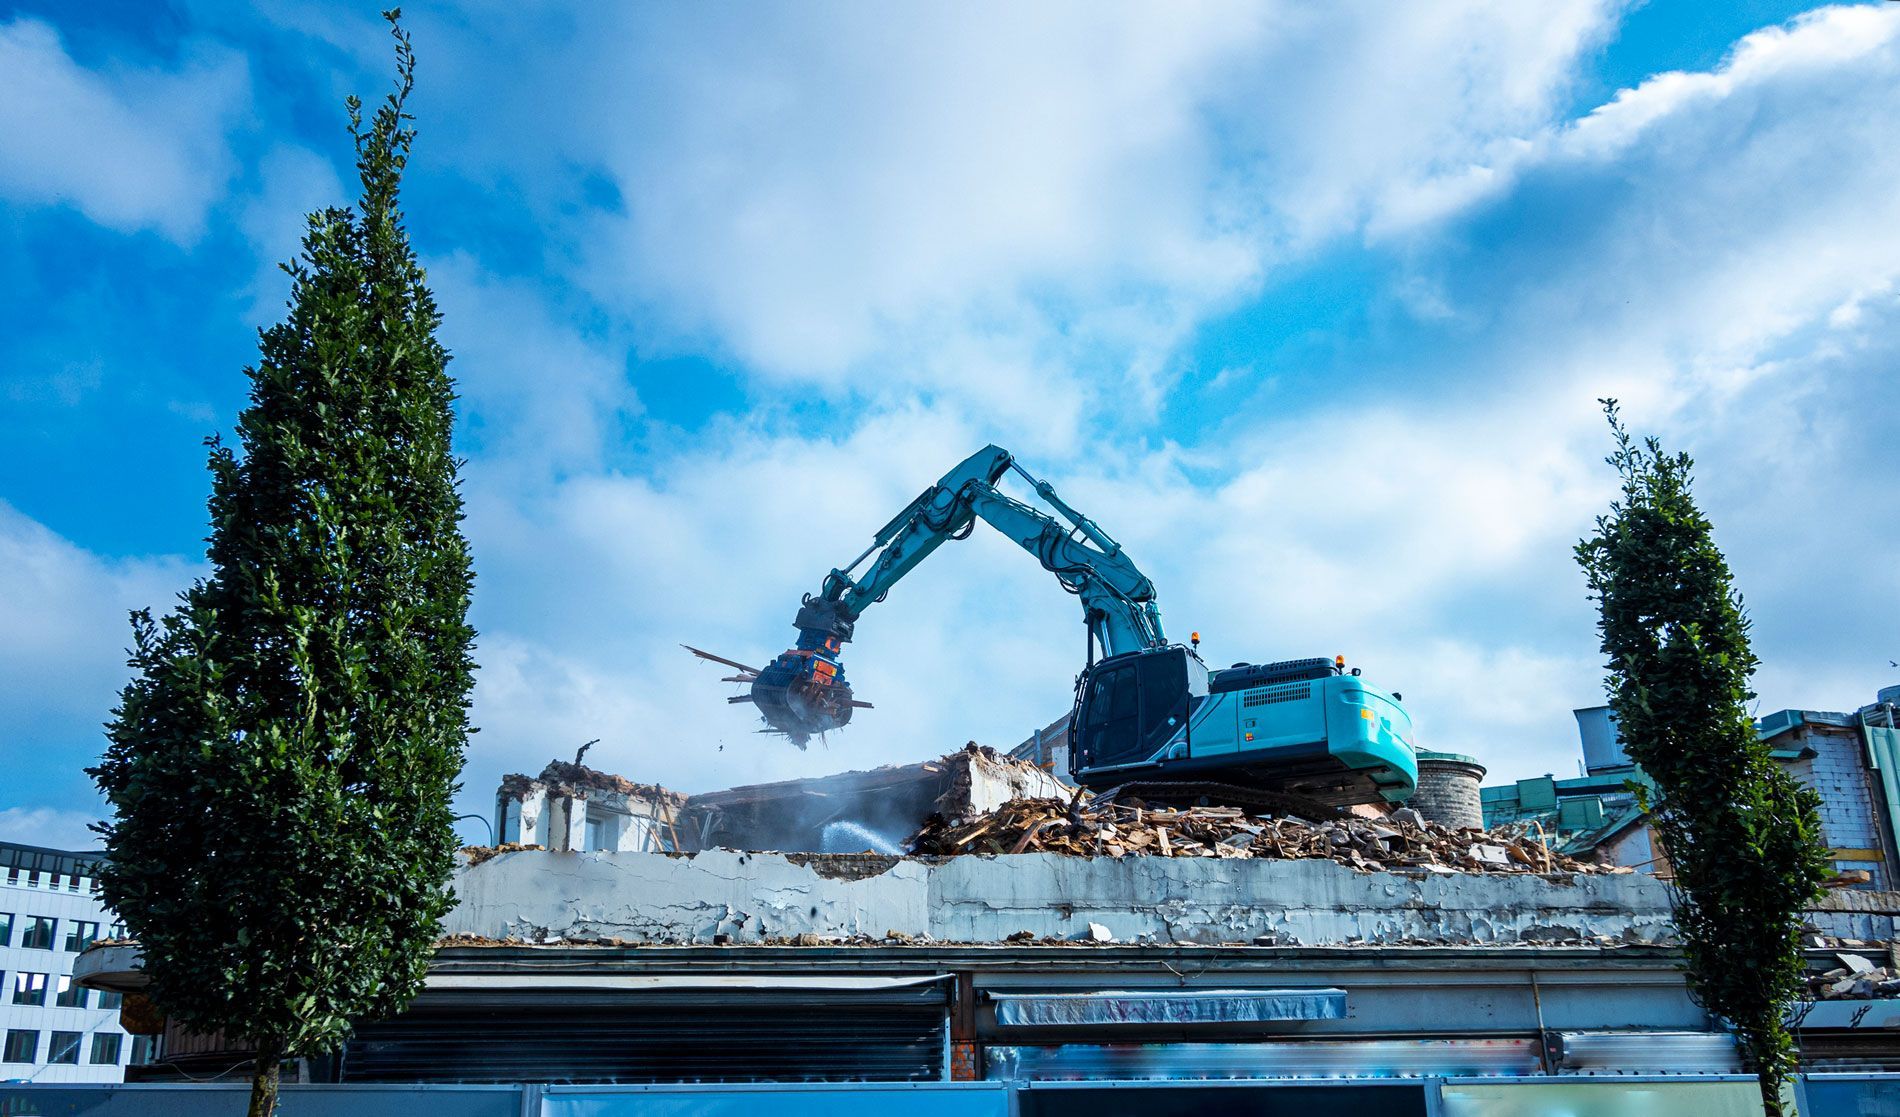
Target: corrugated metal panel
{"x": 1288, "y": 1059}
{"x": 761, "y": 1036}
{"x": 1646, "y": 1053}
{"x": 1883, "y": 746}
{"x": 1202, "y": 1006}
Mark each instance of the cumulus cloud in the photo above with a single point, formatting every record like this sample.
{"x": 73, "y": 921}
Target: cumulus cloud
{"x": 292, "y": 182}
{"x": 131, "y": 148}
{"x": 539, "y": 390}
{"x": 63, "y": 611}
{"x": 1027, "y": 211}
{"x": 50, "y": 827}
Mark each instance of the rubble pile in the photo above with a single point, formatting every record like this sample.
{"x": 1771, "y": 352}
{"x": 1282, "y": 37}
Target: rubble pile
{"x": 575, "y": 780}
{"x": 1856, "y": 978}
{"x": 1402, "y": 840}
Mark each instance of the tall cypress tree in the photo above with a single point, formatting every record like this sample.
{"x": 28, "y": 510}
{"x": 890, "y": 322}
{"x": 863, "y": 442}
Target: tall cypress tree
{"x": 1742, "y": 837}
{"x": 282, "y": 764}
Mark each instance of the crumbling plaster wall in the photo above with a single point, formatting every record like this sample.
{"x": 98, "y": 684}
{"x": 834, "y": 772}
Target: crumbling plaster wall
{"x": 753, "y": 897}
{"x": 651, "y": 897}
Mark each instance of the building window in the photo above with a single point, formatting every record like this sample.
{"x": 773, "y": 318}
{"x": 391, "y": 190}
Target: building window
{"x": 144, "y": 1050}
{"x": 6, "y": 928}
{"x": 38, "y": 933}
{"x": 29, "y": 988}
{"x": 81, "y": 935}
{"x": 69, "y": 995}
{"x": 23, "y": 1046}
{"x": 117, "y": 931}
{"x": 64, "y": 1048}
{"x": 105, "y": 1049}
{"x": 109, "y": 999}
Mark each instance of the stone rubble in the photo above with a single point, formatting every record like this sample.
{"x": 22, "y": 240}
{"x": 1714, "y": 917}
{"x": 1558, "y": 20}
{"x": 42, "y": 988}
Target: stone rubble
{"x": 1402, "y": 840}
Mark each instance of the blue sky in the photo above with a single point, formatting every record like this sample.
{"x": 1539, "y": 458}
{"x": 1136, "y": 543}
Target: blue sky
{"x": 1309, "y": 306}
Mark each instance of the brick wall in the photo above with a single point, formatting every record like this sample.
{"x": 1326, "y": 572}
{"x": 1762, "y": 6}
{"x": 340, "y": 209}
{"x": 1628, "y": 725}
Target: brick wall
{"x": 1839, "y": 773}
{"x": 1448, "y": 792}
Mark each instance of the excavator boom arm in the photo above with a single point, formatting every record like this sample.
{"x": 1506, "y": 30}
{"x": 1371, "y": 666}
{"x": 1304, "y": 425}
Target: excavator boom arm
{"x": 1118, "y": 600}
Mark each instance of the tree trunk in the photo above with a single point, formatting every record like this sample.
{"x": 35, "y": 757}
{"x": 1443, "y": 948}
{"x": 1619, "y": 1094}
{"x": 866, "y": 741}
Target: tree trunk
{"x": 270, "y": 1058}
{"x": 1770, "y": 1093}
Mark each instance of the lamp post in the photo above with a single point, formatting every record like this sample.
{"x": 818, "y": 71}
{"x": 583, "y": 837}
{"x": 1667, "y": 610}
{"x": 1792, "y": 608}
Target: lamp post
{"x": 483, "y": 819}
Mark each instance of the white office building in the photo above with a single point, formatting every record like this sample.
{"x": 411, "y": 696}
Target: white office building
{"x": 50, "y": 1029}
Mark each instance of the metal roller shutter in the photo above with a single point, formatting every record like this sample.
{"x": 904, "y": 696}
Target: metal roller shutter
{"x": 759, "y": 1034}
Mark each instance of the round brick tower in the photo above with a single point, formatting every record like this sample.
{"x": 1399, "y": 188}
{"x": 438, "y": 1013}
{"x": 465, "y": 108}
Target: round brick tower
{"x": 1448, "y": 789}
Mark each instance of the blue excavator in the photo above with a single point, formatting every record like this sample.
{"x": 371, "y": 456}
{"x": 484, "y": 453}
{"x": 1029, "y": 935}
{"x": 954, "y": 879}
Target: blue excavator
{"x": 1150, "y": 721}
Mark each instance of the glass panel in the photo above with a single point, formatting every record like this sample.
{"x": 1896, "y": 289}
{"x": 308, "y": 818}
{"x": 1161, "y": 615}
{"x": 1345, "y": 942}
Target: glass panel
{"x": 1163, "y": 695}
{"x": 6, "y": 928}
{"x": 1601, "y": 1098}
{"x": 1203, "y": 1100}
{"x": 23, "y": 1046}
{"x": 81, "y": 935}
{"x": 29, "y": 989}
{"x": 39, "y": 932}
{"x": 70, "y": 995}
{"x": 105, "y": 1049}
{"x": 64, "y": 1048}
{"x": 109, "y": 999}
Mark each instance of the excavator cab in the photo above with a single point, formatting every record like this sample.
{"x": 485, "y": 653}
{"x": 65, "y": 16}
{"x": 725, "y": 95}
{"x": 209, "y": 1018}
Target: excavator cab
{"x": 1156, "y": 723}
{"x": 1133, "y": 705}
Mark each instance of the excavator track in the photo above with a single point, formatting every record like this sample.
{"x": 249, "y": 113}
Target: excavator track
{"x": 1204, "y": 793}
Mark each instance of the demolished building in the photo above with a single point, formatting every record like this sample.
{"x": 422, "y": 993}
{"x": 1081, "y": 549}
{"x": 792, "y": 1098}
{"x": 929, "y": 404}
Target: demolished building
{"x": 1047, "y": 947}
{"x": 1851, "y": 760}
{"x": 571, "y": 807}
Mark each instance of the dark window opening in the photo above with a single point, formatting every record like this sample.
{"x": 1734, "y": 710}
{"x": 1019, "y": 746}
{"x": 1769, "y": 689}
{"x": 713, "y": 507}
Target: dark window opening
{"x": 39, "y": 932}
{"x": 23, "y": 1046}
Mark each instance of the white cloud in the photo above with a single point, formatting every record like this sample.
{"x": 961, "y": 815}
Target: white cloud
{"x": 539, "y": 391}
{"x": 64, "y": 611}
{"x": 50, "y": 827}
{"x": 1024, "y": 211}
{"x": 293, "y": 182}
{"x": 130, "y": 148}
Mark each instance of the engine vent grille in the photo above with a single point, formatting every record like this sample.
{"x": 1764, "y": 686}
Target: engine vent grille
{"x": 1266, "y": 696}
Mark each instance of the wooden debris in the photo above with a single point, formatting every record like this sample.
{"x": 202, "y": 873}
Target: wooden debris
{"x": 1395, "y": 843}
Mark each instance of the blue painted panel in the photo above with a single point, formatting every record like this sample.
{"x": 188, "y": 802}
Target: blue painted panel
{"x": 1851, "y": 1097}
{"x": 164, "y": 1100}
{"x": 977, "y": 1099}
{"x": 1604, "y": 1097}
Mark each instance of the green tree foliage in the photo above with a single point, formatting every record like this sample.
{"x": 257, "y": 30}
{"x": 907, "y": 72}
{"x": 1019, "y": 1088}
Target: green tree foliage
{"x": 1742, "y": 837}
{"x": 282, "y": 764}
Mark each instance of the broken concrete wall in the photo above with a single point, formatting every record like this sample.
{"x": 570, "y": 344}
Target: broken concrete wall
{"x": 874, "y": 810}
{"x": 756, "y": 897}
{"x": 573, "y": 807}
